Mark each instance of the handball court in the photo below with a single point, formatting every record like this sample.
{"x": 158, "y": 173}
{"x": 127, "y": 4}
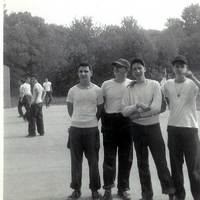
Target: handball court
{"x": 39, "y": 168}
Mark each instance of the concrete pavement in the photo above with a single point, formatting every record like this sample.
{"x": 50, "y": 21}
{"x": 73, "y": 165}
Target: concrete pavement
{"x": 39, "y": 168}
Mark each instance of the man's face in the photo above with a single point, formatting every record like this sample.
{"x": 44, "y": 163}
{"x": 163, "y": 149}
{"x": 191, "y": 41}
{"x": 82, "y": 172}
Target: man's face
{"x": 84, "y": 73}
{"x": 138, "y": 70}
{"x": 119, "y": 70}
{"x": 179, "y": 68}
{"x": 46, "y": 80}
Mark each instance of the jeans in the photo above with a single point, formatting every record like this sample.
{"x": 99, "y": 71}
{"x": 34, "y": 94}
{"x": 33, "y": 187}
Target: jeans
{"x": 150, "y": 137}
{"x": 26, "y": 102}
{"x": 84, "y": 140}
{"x": 36, "y": 119}
{"x": 117, "y": 138}
{"x": 184, "y": 143}
{"x": 48, "y": 98}
{"x": 19, "y": 107}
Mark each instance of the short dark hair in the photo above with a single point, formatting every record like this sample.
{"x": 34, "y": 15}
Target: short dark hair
{"x": 137, "y": 60}
{"x": 84, "y": 64}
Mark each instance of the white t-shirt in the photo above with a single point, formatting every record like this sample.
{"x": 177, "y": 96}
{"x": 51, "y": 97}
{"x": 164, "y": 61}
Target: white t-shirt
{"x": 182, "y": 103}
{"x": 113, "y": 93}
{"x": 149, "y": 94}
{"x": 47, "y": 86}
{"x": 85, "y": 103}
{"x": 21, "y": 91}
{"x": 25, "y": 89}
{"x": 37, "y": 89}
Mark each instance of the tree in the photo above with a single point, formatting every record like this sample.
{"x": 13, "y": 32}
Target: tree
{"x": 191, "y": 18}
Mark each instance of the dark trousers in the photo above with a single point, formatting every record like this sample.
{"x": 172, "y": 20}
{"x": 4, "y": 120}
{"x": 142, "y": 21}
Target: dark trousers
{"x": 19, "y": 107}
{"x": 36, "y": 119}
{"x": 26, "y": 102}
{"x": 48, "y": 98}
{"x": 84, "y": 140}
{"x": 184, "y": 143}
{"x": 117, "y": 137}
{"x": 150, "y": 137}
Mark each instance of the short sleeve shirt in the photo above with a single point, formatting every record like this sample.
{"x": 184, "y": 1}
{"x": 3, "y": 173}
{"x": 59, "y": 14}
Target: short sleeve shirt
{"x": 113, "y": 93}
{"x": 37, "y": 89}
{"x": 85, "y": 102}
{"x": 47, "y": 86}
{"x": 182, "y": 103}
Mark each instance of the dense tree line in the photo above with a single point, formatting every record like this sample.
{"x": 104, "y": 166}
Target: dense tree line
{"x": 32, "y": 47}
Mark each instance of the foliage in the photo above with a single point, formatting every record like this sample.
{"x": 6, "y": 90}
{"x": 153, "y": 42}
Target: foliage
{"x": 32, "y": 47}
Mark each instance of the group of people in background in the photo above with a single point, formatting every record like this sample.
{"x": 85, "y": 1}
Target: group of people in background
{"x": 129, "y": 112}
{"x": 31, "y": 96}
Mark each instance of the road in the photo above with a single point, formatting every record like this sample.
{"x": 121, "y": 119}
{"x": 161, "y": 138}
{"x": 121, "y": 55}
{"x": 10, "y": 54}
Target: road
{"x": 39, "y": 168}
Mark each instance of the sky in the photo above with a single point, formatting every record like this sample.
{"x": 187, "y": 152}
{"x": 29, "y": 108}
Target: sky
{"x": 151, "y": 14}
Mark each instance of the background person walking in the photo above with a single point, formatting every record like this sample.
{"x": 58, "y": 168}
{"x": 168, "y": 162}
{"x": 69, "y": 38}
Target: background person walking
{"x": 21, "y": 94}
{"x": 48, "y": 89}
{"x": 26, "y": 96}
{"x": 36, "y": 115}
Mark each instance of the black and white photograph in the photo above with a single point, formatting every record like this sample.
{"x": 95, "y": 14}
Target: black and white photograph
{"x": 100, "y": 100}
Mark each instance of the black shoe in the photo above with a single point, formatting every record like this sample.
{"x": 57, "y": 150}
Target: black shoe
{"x": 125, "y": 195}
{"x": 95, "y": 195}
{"x": 30, "y": 135}
{"x": 177, "y": 198}
{"x": 75, "y": 194}
{"x": 107, "y": 195}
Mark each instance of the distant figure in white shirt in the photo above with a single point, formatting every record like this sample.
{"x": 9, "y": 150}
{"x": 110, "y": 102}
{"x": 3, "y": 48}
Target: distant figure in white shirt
{"x": 25, "y": 95}
{"x": 48, "y": 89}
{"x": 36, "y": 115}
{"x": 20, "y": 104}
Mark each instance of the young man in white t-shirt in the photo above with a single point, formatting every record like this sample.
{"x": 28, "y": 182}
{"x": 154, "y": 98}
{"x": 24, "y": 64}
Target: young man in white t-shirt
{"x": 142, "y": 104}
{"x": 48, "y": 89}
{"x": 36, "y": 115}
{"x": 84, "y": 103}
{"x": 26, "y": 97}
{"x": 116, "y": 132}
{"x": 20, "y": 104}
{"x": 183, "y": 140}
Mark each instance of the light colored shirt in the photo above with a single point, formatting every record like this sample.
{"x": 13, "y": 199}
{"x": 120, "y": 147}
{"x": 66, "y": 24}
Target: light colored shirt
{"x": 149, "y": 94}
{"x": 85, "y": 103}
{"x": 182, "y": 103}
{"x": 25, "y": 89}
{"x": 21, "y": 92}
{"x": 113, "y": 93}
{"x": 47, "y": 86}
{"x": 37, "y": 93}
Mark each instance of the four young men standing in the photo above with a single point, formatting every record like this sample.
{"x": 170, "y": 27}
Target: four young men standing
{"x": 131, "y": 111}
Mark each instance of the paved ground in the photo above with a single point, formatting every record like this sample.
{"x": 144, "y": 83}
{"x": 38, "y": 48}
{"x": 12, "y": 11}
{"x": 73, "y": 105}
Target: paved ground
{"x": 39, "y": 168}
